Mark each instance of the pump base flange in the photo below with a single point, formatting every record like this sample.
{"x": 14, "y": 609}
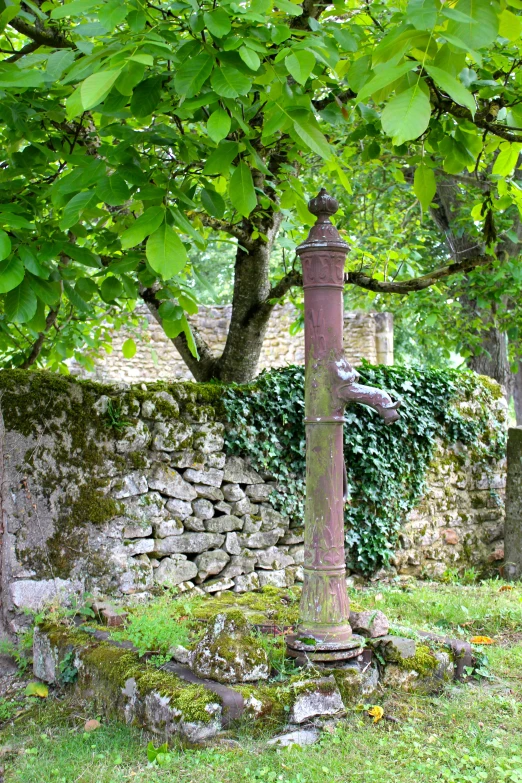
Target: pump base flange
{"x": 304, "y": 651}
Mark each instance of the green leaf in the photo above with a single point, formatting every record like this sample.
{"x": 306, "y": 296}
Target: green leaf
{"x": 453, "y": 87}
{"x": 11, "y": 274}
{"x": 422, "y": 14}
{"x": 510, "y": 25}
{"x": 146, "y": 97}
{"x": 424, "y": 185}
{"x": 166, "y": 252}
{"x": 83, "y": 256}
{"x": 300, "y": 65}
{"x": 58, "y": 62}
{"x": 249, "y": 57}
{"x": 193, "y": 74}
{"x": 49, "y": 292}
{"x": 213, "y": 203}
{"x": 75, "y": 208}
{"x": 186, "y": 226}
{"x": 111, "y": 289}
{"x": 76, "y": 8}
{"x": 345, "y": 39}
{"x": 129, "y": 348}
{"x": 218, "y": 125}
{"x": 145, "y": 225}
{"x": 7, "y": 14}
{"x": 11, "y": 76}
{"x": 190, "y": 338}
{"x": 482, "y": 30}
{"x": 170, "y": 311}
{"x": 221, "y": 159}
{"x": 384, "y": 76}
{"x": 229, "y": 82}
{"x": 74, "y": 297}
{"x": 407, "y": 115}
{"x": 309, "y": 133}
{"x": 172, "y": 328}
{"x": 506, "y": 159}
{"x": 5, "y": 245}
{"x": 113, "y": 190}
{"x": 87, "y": 288}
{"x": 96, "y": 87}
{"x": 20, "y": 304}
{"x": 218, "y": 22}
{"x": 37, "y": 689}
{"x": 241, "y": 190}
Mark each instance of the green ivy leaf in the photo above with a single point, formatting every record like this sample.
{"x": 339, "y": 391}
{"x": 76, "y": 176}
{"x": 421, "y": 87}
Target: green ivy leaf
{"x": 20, "y": 304}
{"x": 218, "y": 125}
{"x": 241, "y": 190}
{"x": 407, "y": 115}
{"x": 166, "y": 252}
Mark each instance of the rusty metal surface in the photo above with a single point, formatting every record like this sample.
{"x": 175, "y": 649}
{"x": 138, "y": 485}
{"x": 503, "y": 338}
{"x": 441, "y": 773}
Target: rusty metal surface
{"x": 330, "y": 383}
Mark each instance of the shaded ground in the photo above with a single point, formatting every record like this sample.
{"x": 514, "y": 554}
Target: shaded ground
{"x": 471, "y": 733}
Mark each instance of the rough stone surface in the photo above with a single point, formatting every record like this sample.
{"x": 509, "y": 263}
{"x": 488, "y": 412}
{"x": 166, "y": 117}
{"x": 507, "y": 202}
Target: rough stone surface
{"x": 273, "y": 559}
{"x": 300, "y": 737}
{"x": 371, "y": 624}
{"x": 319, "y": 697}
{"x": 203, "y": 509}
{"x": 211, "y": 563}
{"x": 237, "y": 471}
{"x": 169, "y": 482}
{"x": 224, "y": 524}
{"x": 174, "y": 570}
{"x": 189, "y": 543}
{"x": 229, "y": 653}
{"x": 180, "y": 509}
{"x": 168, "y": 527}
{"x": 35, "y": 594}
{"x": 395, "y": 648}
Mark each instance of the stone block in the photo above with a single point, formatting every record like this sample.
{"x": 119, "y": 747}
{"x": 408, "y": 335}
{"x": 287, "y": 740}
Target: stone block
{"x": 246, "y": 582}
{"x": 189, "y": 543}
{"x": 232, "y": 492}
{"x": 208, "y": 438}
{"x": 140, "y": 546}
{"x": 203, "y": 509}
{"x": 232, "y": 545}
{"x": 229, "y": 653}
{"x": 371, "y": 623}
{"x": 297, "y": 552}
{"x": 209, "y": 493}
{"x": 134, "y": 438}
{"x": 210, "y": 563}
{"x": 174, "y": 570}
{"x": 395, "y": 649}
{"x": 237, "y": 471}
{"x": 244, "y": 563}
{"x": 316, "y": 697}
{"x": 244, "y": 506}
{"x": 218, "y": 585}
{"x": 260, "y": 540}
{"x": 169, "y": 482}
{"x": 194, "y": 524}
{"x": 160, "y": 406}
{"x": 180, "y": 509}
{"x": 259, "y": 493}
{"x": 168, "y": 527}
{"x": 129, "y": 485}
{"x": 224, "y": 524}
{"x": 252, "y": 524}
{"x": 223, "y": 508}
{"x": 171, "y": 436}
{"x": 187, "y": 459}
{"x": 216, "y": 460}
{"x": 212, "y": 477}
{"x": 273, "y": 559}
{"x": 34, "y": 594}
{"x": 271, "y": 519}
{"x": 273, "y": 578}
{"x": 137, "y": 531}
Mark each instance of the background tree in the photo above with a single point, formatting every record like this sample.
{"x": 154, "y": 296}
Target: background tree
{"x": 132, "y": 132}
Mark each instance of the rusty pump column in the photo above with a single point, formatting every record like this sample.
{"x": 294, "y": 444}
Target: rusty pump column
{"x": 324, "y": 632}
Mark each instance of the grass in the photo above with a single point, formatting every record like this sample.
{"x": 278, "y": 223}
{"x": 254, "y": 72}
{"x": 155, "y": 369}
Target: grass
{"x": 470, "y": 734}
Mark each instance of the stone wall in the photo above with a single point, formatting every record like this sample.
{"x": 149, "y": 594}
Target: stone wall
{"x": 120, "y": 490}
{"x": 366, "y": 336}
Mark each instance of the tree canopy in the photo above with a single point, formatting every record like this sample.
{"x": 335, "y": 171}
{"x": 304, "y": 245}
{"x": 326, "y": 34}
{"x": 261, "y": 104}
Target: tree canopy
{"x": 132, "y": 132}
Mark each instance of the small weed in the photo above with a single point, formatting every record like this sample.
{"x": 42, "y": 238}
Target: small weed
{"x": 68, "y": 671}
{"x": 114, "y": 417}
{"x": 275, "y": 648}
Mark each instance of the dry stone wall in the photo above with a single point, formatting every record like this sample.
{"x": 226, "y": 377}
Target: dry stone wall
{"x": 120, "y": 491}
{"x": 366, "y": 336}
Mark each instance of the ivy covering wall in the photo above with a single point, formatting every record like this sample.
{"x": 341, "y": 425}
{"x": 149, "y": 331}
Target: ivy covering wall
{"x": 386, "y": 466}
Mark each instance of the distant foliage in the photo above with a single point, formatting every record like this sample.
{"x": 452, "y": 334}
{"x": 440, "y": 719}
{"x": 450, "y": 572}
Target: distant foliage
{"x": 386, "y": 466}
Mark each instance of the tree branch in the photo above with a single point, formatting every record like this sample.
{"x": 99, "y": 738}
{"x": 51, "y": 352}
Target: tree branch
{"x": 37, "y": 345}
{"x": 290, "y": 280}
{"x": 204, "y": 368}
{"x": 416, "y": 283}
{"x": 228, "y": 228}
{"x": 27, "y": 49}
{"x": 43, "y": 36}
{"x": 481, "y": 117}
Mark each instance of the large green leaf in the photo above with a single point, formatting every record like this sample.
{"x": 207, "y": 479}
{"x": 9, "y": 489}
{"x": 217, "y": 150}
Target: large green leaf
{"x": 218, "y": 22}
{"x": 385, "y": 75}
{"x": 111, "y": 289}
{"x": 306, "y": 129}
{"x": 407, "y": 115}
{"x": 424, "y": 185}
{"x": 146, "y": 97}
{"x": 229, "y": 82}
{"x": 453, "y": 87}
{"x": 76, "y": 8}
{"x": 5, "y": 245}
{"x": 300, "y": 65}
{"x": 218, "y": 125}
{"x": 482, "y": 29}
{"x": 506, "y": 159}
{"x": 20, "y": 304}
{"x": 249, "y": 57}
{"x": 213, "y": 202}
{"x": 113, "y": 190}
{"x": 166, "y": 252}
{"x": 241, "y": 190}
{"x": 193, "y": 74}
{"x": 96, "y": 87}
{"x": 49, "y": 292}
{"x": 145, "y": 225}
{"x": 11, "y": 274}
{"x": 220, "y": 160}
{"x": 75, "y": 208}
{"x": 422, "y": 14}
{"x": 11, "y": 76}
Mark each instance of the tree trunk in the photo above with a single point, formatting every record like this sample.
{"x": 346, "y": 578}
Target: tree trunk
{"x": 493, "y": 359}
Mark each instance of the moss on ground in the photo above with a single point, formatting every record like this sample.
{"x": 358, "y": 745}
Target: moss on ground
{"x": 269, "y": 606}
{"x": 423, "y": 662}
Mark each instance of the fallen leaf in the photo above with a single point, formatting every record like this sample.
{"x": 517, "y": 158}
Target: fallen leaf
{"x": 379, "y": 597}
{"x": 505, "y": 587}
{"x": 376, "y": 713}
{"x": 37, "y": 689}
{"x": 92, "y": 725}
{"x": 482, "y": 640}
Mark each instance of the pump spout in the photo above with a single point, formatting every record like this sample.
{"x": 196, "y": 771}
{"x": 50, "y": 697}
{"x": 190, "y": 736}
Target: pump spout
{"x": 349, "y": 390}
{"x": 373, "y": 398}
